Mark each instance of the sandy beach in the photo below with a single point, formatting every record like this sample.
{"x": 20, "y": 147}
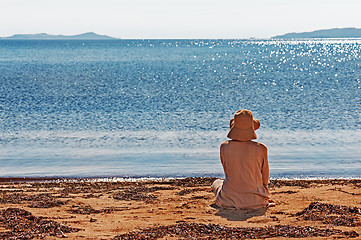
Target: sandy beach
{"x": 175, "y": 209}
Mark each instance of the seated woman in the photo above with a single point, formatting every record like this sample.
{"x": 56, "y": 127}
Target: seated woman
{"x": 245, "y": 166}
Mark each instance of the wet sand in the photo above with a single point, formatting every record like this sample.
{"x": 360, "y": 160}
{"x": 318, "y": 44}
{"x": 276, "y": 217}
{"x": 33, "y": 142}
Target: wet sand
{"x": 174, "y": 209}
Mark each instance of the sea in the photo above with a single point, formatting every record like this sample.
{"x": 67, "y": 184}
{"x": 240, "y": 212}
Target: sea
{"x": 161, "y": 108}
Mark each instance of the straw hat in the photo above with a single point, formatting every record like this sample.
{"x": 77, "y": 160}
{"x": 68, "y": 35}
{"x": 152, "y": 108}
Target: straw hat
{"x": 243, "y": 126}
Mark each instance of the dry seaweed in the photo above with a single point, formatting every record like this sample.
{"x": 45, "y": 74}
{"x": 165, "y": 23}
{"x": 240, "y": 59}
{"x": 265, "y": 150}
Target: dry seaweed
{"x": 136, "y": 194}
{"x": 86, "y": 187}
{"x": 90, "y": 195}
{"x": 215, "y": 231}
{"x": 188, "y": 191}
{"x": 193, "y": 181}
{"x": 207, "y": 181}
{"x": 291, "y": 183}
{"x": 336, "y": 215}
{"x": 287, "y": 192}
{"x": 139, "y": 193}
{"x": 23, "y": 225}
{"x": 87, "y": 209}
{"x": 308, "y": 183}
{"x": 43, "y": 200}
{"x": 350, "y": 193}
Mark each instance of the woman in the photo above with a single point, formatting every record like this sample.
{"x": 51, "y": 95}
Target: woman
{"x": 245, "y": 166}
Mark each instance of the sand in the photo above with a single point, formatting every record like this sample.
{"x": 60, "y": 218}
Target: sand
{"x": 175, "y": 209}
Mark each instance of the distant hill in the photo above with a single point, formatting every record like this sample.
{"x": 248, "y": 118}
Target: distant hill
{"x": 326, "y": 33}
{"x": 83, "y": 36}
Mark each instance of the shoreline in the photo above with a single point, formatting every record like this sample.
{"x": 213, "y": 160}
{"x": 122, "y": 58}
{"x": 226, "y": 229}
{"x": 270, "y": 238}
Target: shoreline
{"x": 142, "y": 179}
{"x": 175, "y": 208}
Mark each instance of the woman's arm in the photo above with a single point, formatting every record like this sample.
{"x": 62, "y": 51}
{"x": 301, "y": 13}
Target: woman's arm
{"x": 265, "y": 168}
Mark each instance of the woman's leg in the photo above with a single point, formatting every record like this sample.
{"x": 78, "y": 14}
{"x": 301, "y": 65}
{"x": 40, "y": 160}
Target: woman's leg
{"x": 217, "y": 185}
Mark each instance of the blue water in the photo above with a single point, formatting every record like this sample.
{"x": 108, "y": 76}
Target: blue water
{"x": 160, "y": 108}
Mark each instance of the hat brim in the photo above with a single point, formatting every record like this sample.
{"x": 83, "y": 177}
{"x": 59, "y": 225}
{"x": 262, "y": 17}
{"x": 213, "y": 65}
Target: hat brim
{"x": 242, "y": 134}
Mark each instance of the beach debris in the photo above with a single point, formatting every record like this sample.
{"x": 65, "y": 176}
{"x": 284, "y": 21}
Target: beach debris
{"x": 85, "y": 187}
{"x": 188, "y": 191}
{"x": 287, "y": 192}
{"x": 336, "y": 215}
{"x": 91, "y": 195}
{"x": 133, "y": 194}
{"x": 139, "y": 193}
{"x": 65, "y": 195}
{"x": 291, "y": 183}
{"x": 199, "y": 197}
{"x": 193, "y": 181}
{"x": 101, "y": 187}
{"x": 215, "y": 231}
{"x": 341, "y": 190}
{"x": 280, "y": 213}
{"x": 43, "y": 200}
{"x": 23, "y": 225}
{"x": 87, "y": 209}
{"x": 160, "y": 188}
{"x": 311, "y": 182}
{"x": 184, "y": 205}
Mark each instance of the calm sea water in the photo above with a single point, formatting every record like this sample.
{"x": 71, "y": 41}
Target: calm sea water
{"x": 160, "y": 108}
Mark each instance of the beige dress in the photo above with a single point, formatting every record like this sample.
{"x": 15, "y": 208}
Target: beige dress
{"x": 246, "y": 172}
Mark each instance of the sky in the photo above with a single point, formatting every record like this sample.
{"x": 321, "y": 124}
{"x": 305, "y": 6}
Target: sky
{"x": 176, "y": 19}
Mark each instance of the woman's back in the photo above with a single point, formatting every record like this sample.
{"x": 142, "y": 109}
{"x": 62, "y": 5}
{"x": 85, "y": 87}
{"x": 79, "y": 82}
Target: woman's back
{"x": 245, "y": 166}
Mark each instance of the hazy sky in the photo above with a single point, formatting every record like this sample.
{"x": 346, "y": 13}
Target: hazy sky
{"x": 176, "y": 18}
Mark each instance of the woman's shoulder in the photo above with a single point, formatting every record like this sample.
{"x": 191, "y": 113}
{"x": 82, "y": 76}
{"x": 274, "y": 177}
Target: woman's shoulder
{"x": 256, "y": 144}
{"x": 261, "y": 145}
{"x": 226, "y": 142}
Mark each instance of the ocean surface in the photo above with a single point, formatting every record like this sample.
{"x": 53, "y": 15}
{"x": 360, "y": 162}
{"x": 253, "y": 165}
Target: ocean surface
{"x": 161, "y": 108}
